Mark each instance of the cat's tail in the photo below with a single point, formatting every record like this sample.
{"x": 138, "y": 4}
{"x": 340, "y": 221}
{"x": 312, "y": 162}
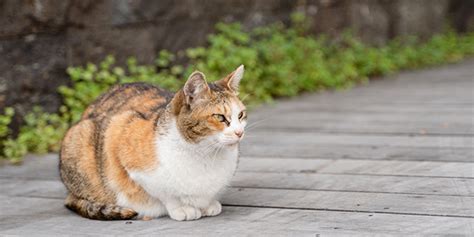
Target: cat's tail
{"x": 98, "y": 211}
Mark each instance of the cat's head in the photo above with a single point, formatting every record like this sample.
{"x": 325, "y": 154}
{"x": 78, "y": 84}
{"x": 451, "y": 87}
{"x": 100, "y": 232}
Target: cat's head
{"x": 211, "y": 112}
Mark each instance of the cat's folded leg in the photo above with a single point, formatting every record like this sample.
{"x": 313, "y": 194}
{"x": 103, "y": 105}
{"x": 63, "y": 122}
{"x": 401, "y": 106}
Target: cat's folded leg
{"x": 214, "y": 209}
{"x": 181, "y": 212}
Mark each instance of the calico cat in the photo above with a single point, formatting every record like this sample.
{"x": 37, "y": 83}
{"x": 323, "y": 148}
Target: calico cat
{"x": 142, "y": 152}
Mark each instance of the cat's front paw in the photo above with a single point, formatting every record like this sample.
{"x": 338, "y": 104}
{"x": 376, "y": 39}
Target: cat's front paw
{"x": 214, "y": 209}
{"x": 185, "y": 213}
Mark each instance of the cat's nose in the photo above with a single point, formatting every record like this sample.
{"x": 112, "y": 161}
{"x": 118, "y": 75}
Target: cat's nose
{"x": 239, "y": 133}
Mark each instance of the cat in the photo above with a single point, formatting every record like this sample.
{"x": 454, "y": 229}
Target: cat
{"x": 142, "y": 152}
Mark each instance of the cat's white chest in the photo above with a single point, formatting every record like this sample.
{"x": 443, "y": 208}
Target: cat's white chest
{"x": 188, "y": 170}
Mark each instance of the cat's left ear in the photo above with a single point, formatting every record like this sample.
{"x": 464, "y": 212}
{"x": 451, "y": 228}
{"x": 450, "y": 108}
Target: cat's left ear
{"x": 232, "y": 81}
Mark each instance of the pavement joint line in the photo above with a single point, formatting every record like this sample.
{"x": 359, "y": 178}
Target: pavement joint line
{"x": 346, "y": 210}
{"x": 361, "y": 174}
{"x": 350, "y": 158}
{"x": 354, "y": 191}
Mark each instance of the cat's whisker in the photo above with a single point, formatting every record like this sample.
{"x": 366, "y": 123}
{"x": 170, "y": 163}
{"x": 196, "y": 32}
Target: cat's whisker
{"x": 212, "y": 147}
{"x": 252, "y": 128}
{"x": 245, "y": 97}
{"x": 216, "y": 151}
{"x": 206, "y": 149}
{"x": 255, "y": 124}
{"x": 250, "y": 136}
{"x": 207, "y": 146}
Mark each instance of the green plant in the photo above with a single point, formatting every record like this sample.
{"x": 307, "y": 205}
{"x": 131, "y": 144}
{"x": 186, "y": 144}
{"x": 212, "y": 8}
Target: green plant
{"x": 279, "y": 61}
{"x": 5, "y": 120}
{"x": 40, "y": 133}
{"x": 5, "y": 132}
{"x": 90, "y": 81}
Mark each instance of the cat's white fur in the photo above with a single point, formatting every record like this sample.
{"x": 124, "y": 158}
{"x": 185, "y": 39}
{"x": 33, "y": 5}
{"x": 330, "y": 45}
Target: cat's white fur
{"x": 189, "y": 177}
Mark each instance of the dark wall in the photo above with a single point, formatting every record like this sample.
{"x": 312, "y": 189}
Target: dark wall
{"x": 40, "y": 38}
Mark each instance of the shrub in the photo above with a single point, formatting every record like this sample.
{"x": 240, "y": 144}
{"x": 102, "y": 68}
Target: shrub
{"x": 279, "y": 62}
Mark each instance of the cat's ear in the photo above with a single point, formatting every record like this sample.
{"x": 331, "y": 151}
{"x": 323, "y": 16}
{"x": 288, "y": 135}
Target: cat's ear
{"x": 196, "y": 88}
{"x": 232, "y": 81}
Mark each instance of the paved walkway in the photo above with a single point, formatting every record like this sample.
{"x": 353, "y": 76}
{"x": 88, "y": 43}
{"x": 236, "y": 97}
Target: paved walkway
{"x": 392, "y": 157}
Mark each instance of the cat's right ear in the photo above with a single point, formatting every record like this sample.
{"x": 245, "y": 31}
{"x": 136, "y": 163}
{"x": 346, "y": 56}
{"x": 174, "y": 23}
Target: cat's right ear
{"x": 196, "y": 88}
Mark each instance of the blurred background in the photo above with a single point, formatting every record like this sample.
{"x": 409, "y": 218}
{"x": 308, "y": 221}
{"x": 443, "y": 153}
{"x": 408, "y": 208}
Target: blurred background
{"x": 394, "y": 157}
{"x": 40, "y": 39}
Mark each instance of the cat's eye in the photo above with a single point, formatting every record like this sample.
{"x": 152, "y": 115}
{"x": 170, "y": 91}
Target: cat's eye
{"x": 221, "y": 118}
{"x": 242, "y": 115}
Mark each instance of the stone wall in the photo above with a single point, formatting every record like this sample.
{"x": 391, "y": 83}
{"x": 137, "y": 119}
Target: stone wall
{"x": 40, "y": 38}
